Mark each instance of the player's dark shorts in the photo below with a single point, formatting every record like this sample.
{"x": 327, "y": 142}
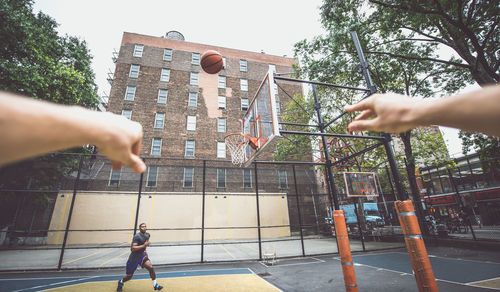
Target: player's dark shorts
{"x": 132, "y": 266}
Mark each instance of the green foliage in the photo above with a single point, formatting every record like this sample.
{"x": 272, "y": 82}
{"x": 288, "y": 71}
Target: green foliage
{"x": 295, "y": 147}
{"x": 36, "y": 62}
{"x": 401, "y": 40}
{"x": 488, "y": 149}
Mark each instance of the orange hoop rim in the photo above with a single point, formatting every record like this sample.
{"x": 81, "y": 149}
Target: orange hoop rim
{"x": 251, "y": 141}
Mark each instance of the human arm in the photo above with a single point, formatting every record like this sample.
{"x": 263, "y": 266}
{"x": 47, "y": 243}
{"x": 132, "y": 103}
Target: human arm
{"x": 477, "y": 111}
{"x": 135, "y": 246}
{"x": 29, "y": 128}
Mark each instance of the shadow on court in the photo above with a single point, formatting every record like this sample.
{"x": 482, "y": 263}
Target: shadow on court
{"x": 455, "y": 270}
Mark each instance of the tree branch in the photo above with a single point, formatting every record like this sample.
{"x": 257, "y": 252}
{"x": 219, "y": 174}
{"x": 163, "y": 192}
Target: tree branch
{"x": 492, "y": 28}
{"x": 470, "y": 12}
{"x": 403, "y": 39}
{"x": 402, "y": 7}
{"x": 445, "y": 42}
{"x": 420, "y": 59}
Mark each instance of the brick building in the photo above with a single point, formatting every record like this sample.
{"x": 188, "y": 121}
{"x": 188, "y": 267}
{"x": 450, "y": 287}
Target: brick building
{"x": 185, "y": 112}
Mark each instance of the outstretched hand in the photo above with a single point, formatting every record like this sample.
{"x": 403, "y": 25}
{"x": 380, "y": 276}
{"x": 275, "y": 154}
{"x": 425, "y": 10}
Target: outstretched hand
{"x": 120, "y": 141}
{"x": 392, "y": 113}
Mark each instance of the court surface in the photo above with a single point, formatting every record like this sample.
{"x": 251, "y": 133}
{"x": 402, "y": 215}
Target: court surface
{"x": 455, "y": 269}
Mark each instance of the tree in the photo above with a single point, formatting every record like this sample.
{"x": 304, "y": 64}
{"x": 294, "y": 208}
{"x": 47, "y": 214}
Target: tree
{"x": 401, "y": 59}
{"x": 295, "y": 147}
{"x": 36, "y": 62}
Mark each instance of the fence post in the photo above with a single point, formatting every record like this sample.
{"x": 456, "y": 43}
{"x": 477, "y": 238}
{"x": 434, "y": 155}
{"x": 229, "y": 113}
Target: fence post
{"x": 416, "y": 247}
{"x": 75, "y": 187}
{"x": 203, "y": 211}
{"x": 459, "y": 199}
{"x": 138, "y": 202}
{"x": 258, "y": 210}
{"x": 298, "y": 210}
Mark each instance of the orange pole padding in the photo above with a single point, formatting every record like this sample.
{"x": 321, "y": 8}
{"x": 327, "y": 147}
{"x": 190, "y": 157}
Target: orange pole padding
{"x": 416, "y": 247}
{"x": 345, "y": 251}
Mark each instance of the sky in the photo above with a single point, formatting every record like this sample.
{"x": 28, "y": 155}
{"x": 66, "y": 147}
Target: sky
{"x": 272, "y": 26}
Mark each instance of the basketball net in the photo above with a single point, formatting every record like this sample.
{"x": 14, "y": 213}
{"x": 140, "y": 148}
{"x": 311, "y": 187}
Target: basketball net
{"x": 237, "y": 144}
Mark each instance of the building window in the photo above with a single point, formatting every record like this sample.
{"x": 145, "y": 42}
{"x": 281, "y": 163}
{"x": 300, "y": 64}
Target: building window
{"x": 189, "y": 148}
{"x": 134, "y": 71}
{"x": 244, "y": 104}
{"x": 221, "y": 150}
{"x": 165, "y": 75}
{"x": 243, "y": 84}
{"x": 221, "y": 125}
{"x": 114, "y": 178}
{"x": 167, "y": 54}
{"x": 193, "y": 99}
{"x": 138, "y": 50}
{"x": 222, "y": 82}
{"x": 247, "y": 178}
{"x": 195, "y": 59}
{"x": 188, "y": 177}
{"x": 130, "y": 93}
{"x": 159, "y": 120}
{"x": 162, "y": 96}
{"x": 224, "y": 62}
{"x": 191, "y": 123}
{"x": 152, "y": 177}
{"x": 221, "y": 177}
{"x": 156, "y": 146}
{"x": 127, "y": 113}
{"x": 283, "y": 179}
{"x": 221, "y": 102}
{"x": 243, "y": 65}
{"x": 193, "y": 79}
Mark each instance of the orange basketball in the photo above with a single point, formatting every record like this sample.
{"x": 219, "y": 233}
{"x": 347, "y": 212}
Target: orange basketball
{"x": 211, "y": 62}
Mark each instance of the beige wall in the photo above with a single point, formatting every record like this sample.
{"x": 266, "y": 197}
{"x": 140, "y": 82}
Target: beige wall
{"x": 94, "y": 211}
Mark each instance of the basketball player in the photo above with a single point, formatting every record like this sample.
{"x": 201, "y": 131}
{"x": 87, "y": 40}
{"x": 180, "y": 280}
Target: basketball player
{"x": 139, "y": 256}
{"x": 29, "y": 127}
{"x": 477, "y": 111}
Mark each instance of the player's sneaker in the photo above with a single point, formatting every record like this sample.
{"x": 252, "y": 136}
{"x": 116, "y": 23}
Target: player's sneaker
{"x": 120, "y": 286}
{"x": 158, "y": 287}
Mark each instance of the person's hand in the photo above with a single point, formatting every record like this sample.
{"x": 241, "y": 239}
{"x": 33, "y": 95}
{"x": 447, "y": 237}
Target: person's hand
{"x": 147, "y": 243}
{"x": 392, "y": 113}
{"x": 120, "y": 140}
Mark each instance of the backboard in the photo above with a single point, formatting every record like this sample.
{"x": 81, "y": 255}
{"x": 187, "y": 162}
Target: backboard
{"x": 261, "y": 118}
{"x": 360, "y": 184}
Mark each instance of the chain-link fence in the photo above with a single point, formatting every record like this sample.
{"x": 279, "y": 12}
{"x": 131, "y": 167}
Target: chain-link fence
{"x": 72, "y": 211}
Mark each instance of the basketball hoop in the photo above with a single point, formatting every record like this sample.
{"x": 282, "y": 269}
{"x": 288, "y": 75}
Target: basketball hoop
{"x": 237, "y": 144}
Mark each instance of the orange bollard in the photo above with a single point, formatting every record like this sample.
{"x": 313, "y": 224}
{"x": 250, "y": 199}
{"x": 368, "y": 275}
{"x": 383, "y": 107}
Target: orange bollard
{"x": 345, "y": 251}
{"x": 416, "y": 247}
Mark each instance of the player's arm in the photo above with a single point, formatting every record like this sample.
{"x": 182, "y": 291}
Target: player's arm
{"x": 477, "y": 111}
{"x": 29, "y": 128}
{"x": 135, "y": 246}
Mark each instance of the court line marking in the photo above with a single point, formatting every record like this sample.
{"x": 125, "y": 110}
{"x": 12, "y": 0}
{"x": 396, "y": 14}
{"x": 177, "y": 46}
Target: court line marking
{"x": 119, "y": 275}
{"x": 450, "y": 258}
{"x": 249, "y": 247}
{"x": 81, "y": 258}
{"x": 248, "y": 270}
{"x": 296, "y": 264}
{"x": 94, "y": 253}
{"x": 477, "y": 282}
{"x": 118, "y": 256}
{"x": 62, "y": 218}
{"x": 53, "y": 284}
{"x": 403, "y": 274}
{"x": 265, "y": 280}
{"x": 222, "y": 247}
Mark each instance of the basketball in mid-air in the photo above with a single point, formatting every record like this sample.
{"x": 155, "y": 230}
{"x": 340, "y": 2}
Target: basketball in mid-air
{"x": 211, "y": 62}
